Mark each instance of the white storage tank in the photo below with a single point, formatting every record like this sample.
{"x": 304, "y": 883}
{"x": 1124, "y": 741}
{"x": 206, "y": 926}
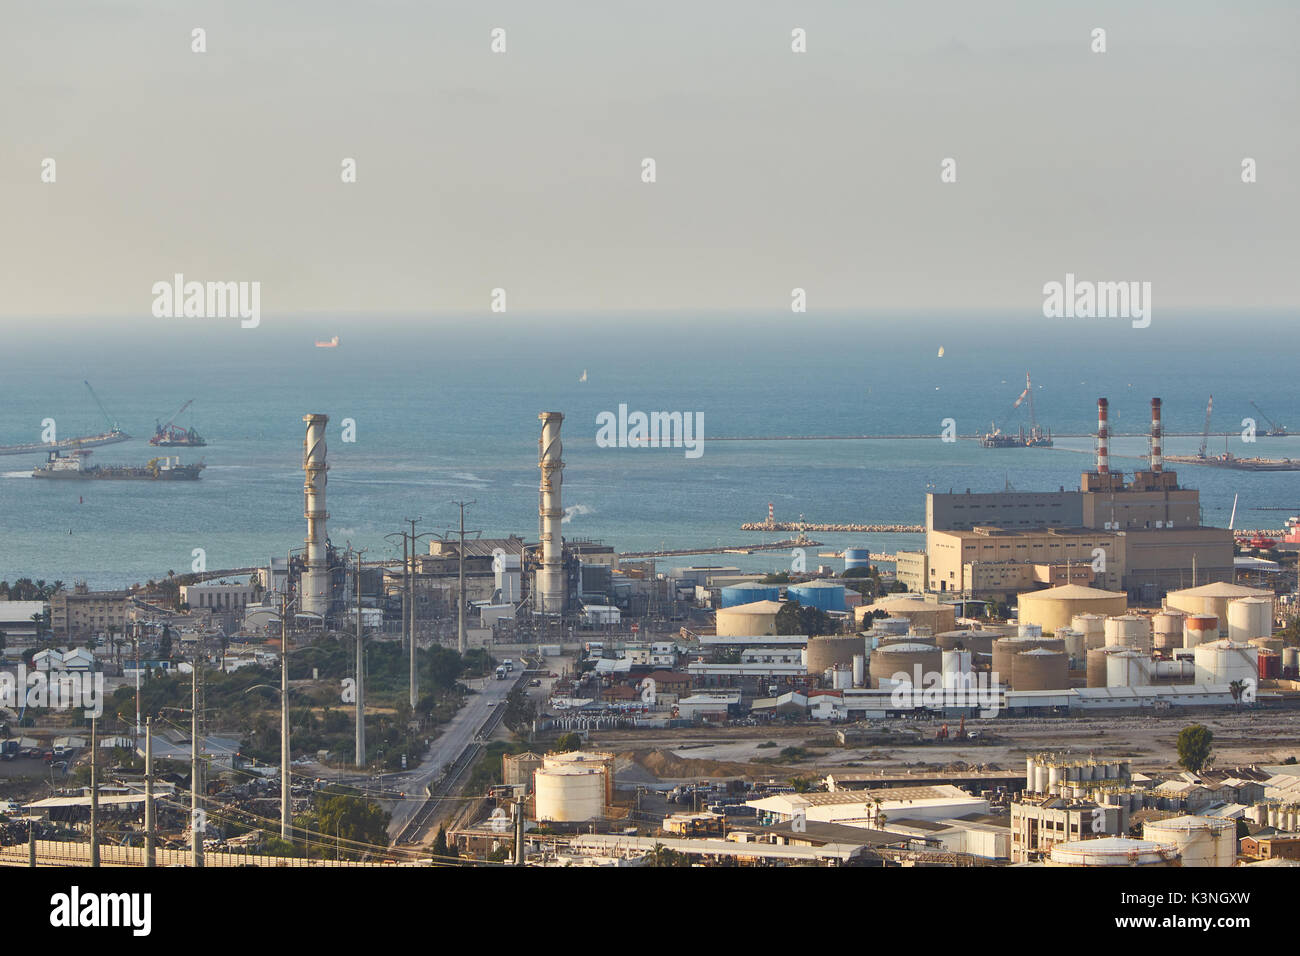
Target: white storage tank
{"x": 841, "y": 678}
{"x": 956, "y": 662}
{"x": 1291, "y": 658}
{"x": 859, "y": 670}
{"x": 1093, "y": 627}
{"x": 1127, "y": 668}
{"x": 1074, "y": 643}
{"x": 1249, "y": 618}
{"x": 1200, "y": 629}
{"x": 1129, "y": 630}
{"x": 1201, "y": 841}
{"x": 1222, "y": 662}
{"x": 1167, "y": 628}
{"x": 570, "y": 794}
{"x": 1114, "y": 851}
{"x": 1212, "y": 599}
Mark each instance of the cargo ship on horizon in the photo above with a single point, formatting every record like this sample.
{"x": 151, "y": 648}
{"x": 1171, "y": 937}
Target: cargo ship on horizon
{"x": 74, "y": 466}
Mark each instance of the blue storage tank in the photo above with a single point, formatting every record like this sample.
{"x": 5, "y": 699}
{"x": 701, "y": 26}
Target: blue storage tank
{"x": 748, "y": 593}
{"x": 825, "y": 595}
{"x": 856, "y": 558}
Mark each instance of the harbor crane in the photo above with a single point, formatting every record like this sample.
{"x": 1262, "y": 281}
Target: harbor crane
{"x": 167, "y": 434}
{"x": 1274, "y": 429}
{"x": 112, "y": 425}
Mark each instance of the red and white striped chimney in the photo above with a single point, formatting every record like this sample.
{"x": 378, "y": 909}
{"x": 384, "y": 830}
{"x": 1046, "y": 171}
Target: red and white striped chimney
{"x": 1157, "y": 460}
{"x": 771, "y": 514}
{"x": 1103, "y": 436}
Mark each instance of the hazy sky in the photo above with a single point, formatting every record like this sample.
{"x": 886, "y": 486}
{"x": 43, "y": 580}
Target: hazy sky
{"x": 522, "y": 170}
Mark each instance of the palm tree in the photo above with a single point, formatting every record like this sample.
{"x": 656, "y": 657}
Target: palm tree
{"x": 1237, "y": 688}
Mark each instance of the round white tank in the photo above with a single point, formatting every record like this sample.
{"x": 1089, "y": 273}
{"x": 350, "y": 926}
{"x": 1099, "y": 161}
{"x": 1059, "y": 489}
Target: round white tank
{"x": 1249, "y": 618}
{"x": 570, "y": 794}
{"x": 1222, "y": 662}
{"x": 841, "y": 678}
{"x": 1053, "y": 777}
{"x": 1029, "y": 773}
{"x": 1127, "y": 669}
{"x": 1200, "y": 629}
{"x": 1093, "y": 627}
{"x": 1074, "y": 642}
{"x": 1201, "y": 841}
{"x": 859, "y": 670}
{"x": 1167, "y": 628}
{"x": 1114, "y": 851}
{"x": 1129, "y": 630}
{"x": 956, "y": 662}
{"x": 1040, "y": 778}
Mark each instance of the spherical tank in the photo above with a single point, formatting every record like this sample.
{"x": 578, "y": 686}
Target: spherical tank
{"x": 904, "y": 659}
{"x": 1201, "y": 841}
{"x": 1057, "y": 607}
{"x": 1006, "y": 648}
{"x": 737, "y": 594}
{"x": 1127, "y": 668}
{"x": 1249, "y": 618}
{"x": 570, "y": 794}
{"x": 1040, "y": 669}
{"x": 1114, "y": 851}
{"x": 1212, "y": 599}
{"x": 1167, "y": 628}
{"x": 1093, "y": 627}
{"x": 1222, "y": 662}
{"x": 1200, "y": 629}
{"x": 823, "y": 595}
{"x": 826, "y": 652}
{"x": 1129, "y": 630}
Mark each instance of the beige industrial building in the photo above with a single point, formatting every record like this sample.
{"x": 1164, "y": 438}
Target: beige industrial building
{"x": 1038, "y": 826}
{"x": 912, "y": 570}
{"x": 82, "y": 612}
{"x": 990, "y": 560}
{"x": 220, "y": 597}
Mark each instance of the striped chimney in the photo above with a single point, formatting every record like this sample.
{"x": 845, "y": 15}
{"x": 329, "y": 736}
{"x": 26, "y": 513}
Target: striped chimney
{"x": 1103, "y": 438}
{"x": 1157, "y": 460}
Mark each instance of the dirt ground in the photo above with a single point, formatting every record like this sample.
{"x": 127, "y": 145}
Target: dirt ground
{"x": 1240, "y": 739}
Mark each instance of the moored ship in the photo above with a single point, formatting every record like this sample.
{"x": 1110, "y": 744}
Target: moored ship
{"x": 74, "y": 466}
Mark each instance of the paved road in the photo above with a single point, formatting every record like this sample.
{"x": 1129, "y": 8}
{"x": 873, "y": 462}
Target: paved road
{"x": 455, "y": 737}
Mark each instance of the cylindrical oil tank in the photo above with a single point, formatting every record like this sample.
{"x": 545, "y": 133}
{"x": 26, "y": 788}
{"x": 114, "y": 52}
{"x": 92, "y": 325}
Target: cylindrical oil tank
{"x": 856, "y": 558}
{"x": 1057, "y": 607}
{"x": 977, "y": 642}
{"x": 1073, "y": 640}
{"x": 1029, "y": 630}
{"x": 1291, "y": 658}
{"x": 570, "y": 794}
{"x": 1096, "y": 667}
{"x": 890, "y": 626}
{"x": 1128, "y": 668}
{"x": 1249, "y": 618}
{"x": 1040, "y": 778}
{"x": 1201, "y": 841}
{"x": 826, "y": 651}
{"x": 1129, "y": 630}
{"x": 757, "y": 618}
{"x": 904, "y": 659}
{"x": 586, "y": 758}
{"x": 736, "y": 594}
{"x": 1273, "y": 645}
{"x": 1167, "y": 628}
{"x": 905, "y": 639}
{"x": 1212, "y": 599}
{"x": 860, "y": 670}
{"x": 1093, "y": 627}
{"x": 841, "y": 678}
{"x": 1000, "y": 630}
{"x": 823, "y": 595}
{"x": 919, "y": 613}
{"x": 1222, "y": 662}
{"x": 1040, "y": 669}
{"x": 1114, "y": 851}
{"x": 956, "y": 662}
{"x": 1200, "y": 629}
{"x": 1006, "y": 648}
{"x": 1270, "y": 665}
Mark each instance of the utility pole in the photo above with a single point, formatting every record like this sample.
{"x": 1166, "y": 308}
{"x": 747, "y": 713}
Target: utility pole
{"x": 460, "y": 587}
{"x": 284, "y": 713}
{"x": 410, "y": 591}
{"x": 519, "y": 832}
{"x": 94, "y": 794}
{"x": 149, "y": 824}
{"x": 361, "y": 677}
{"x": 196, "y": 767}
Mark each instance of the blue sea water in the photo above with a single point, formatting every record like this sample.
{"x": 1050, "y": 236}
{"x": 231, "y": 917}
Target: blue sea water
{"x": 447, "y": 410}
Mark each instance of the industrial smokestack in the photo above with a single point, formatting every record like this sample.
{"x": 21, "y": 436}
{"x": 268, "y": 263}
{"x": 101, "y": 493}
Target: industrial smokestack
{"x": 1157, "y": 459}
{"x": 1103, "y": 435}
{"x": 549, "y": 598}
{"x": 315, "y": 587}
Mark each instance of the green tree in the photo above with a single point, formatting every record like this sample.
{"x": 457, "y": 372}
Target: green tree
{"x": 519, "y": 711}
{"x": 570, "y": 741}
{"x": 1194, "y": 747}
{"x": 662, "y": 856}
{"x": 340, "y": 818}
{"x": 1237, "y": 688}
{"x": 441, "y": 848}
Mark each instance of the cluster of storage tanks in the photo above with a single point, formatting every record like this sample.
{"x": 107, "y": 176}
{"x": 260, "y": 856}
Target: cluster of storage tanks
{"x": 1060, "y": 776}
{"x": 573, "y": 787}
